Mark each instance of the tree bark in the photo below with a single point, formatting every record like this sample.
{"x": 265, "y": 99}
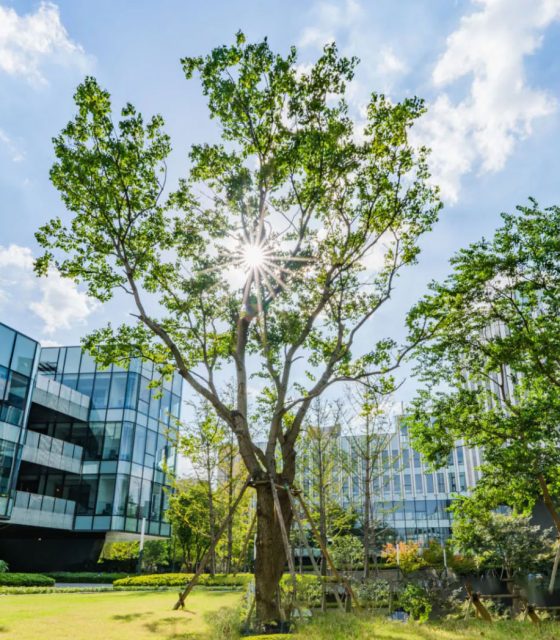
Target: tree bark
{"x": 549, "y": 503}
{"x": 271, "y": 557}
{"x": 367, "y": 510}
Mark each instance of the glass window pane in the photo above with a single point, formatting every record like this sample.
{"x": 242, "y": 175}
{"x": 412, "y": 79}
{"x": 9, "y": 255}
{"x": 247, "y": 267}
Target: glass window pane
{"x": 7, "y": 455}
{"x": 132, "y": 507}
{"x": 24, "y": 354}
{"x": 85, "y": 384}
{"x": 126, "y": 441}
{"x": 72, "y": 362}
{"x": 131, "y": 391}
{"x": 121, "y": 493}
{"x": 139, "y": 445}
{"x": 112, "y": 441}
{"x": 105, "y": 492}
{"x": 87, "y": 364}
{"x": 3, "y": 381}
{"x": 118, "y": 391}
{"x": 6, "y": 345}
{"x": 100, "y": 395}
{"x": 48, "y": 360}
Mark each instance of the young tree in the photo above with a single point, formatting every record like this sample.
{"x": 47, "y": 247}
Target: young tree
{"x": 314, "y": 217}
{"x": 369, "y": 427}
{"x": 496, "y": 350}
{"x": 509, "y": 541}
{"x": 202, "y": 440}
{"x": 189, "y": 516}
{"x": 321, "y": 461}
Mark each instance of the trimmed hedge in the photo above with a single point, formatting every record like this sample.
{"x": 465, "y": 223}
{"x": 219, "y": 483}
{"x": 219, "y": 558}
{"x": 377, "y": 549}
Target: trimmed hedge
{"x": 86, "y": 576}
{"x": 181, "y": 579}
{"x": 14, "y": 591}
{"x": 25, "y": 580}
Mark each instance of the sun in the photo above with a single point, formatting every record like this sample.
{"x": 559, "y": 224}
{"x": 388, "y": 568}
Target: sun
{"x": 253, "y": 257}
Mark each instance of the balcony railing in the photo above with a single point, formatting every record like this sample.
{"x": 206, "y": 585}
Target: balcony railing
{"x": 36, "y": 510}
{"x": 53, "y": 395}
{"x": 52, "y": 452}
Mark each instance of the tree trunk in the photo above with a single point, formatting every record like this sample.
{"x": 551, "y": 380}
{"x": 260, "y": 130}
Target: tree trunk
{"x": 549, "y": 503}
{"x": 229, "y": 554}
{"x": 211, "y": 514}
{"x": 271, "y": 557}
{"x": 367, "y": 505}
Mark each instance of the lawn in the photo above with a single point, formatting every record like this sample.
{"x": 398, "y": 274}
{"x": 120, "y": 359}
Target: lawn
{"x": 133, "y": 615}
{"x": 343, "y": 627}
{"x": 120, "y": 615}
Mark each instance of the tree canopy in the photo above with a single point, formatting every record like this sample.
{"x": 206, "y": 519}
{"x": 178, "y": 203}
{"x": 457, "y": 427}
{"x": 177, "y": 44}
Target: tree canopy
{"x": 267, "y": 261}
{"x": 491, "y": 367}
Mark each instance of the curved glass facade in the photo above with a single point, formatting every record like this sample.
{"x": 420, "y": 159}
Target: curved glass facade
{"x": 127, "y": 456}
{"x": 18, "y": 358}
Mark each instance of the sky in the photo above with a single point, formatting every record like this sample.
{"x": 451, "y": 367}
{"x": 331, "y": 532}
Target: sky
{"x": 489, "y": 71}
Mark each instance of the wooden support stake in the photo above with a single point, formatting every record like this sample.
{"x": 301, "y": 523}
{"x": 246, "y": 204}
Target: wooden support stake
{"x": 308, "y": 548}
{"x": 202, "y": 565}
{"x": 480, "y": 609}
{"x": 532, "y": 614}
{"x": 325, "y": 552}
{"x": 284, "y": 532}
{"x": 554, "y": 570}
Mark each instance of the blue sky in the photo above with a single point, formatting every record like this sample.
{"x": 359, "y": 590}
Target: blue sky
{"x": 488, "y": 69}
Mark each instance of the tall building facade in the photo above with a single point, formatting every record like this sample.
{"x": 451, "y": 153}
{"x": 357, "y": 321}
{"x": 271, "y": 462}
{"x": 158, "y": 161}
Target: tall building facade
{"x": 89, "y": 458}
{"x": 409, "y": 502}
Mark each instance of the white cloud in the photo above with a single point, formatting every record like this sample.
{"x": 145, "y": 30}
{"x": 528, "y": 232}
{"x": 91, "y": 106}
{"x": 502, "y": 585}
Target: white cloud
{"x": 472, "y": 125}
{"x": 55, "y": 300}
{"x": 480, "y": 129}
{"x": 13, "y": 149}
{"x": 28, "y": 41}
{"x": 329, "y": 19}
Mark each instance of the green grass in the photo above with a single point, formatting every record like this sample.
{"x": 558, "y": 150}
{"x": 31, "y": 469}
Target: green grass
{"x": 126, "y": 615}
{"x": 336, "y": 626}
{"x": 109, "y": 616}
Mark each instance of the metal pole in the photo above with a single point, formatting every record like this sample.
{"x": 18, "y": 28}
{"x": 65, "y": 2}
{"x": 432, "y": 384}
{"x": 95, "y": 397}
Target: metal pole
{"x": 141, "y": 551}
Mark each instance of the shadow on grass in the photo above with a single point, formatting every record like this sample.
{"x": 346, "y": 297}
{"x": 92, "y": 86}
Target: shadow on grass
{"x": 167, "y": 629}
{"x": 3, "y": 629}
{"x": 130, "y": 617}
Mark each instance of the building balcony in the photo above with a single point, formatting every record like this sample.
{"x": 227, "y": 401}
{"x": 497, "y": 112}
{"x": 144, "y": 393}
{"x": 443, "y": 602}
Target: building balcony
{"x": 34, "y": 510}
{"x": 57, "y": 397}
{"x": 52, "y": 452}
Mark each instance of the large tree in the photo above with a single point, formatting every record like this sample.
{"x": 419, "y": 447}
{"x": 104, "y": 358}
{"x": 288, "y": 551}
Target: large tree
{"x": 316, "y": 214}
{"x": 492, "y": 366}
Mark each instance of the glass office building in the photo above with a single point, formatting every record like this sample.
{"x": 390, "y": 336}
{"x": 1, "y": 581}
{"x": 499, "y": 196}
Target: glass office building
{"x": 94, "y": 457}
{"x": 18, "y": 359}
{"x": 409, "y": 502}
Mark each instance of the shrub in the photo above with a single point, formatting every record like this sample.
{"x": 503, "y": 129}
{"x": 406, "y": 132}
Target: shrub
{"x": 181, "y": 579}
{"x": 86, "y": 576}
{"x": 29, "y": 590}
{"x": 3, "y": 566}
{"x": 347, "y": 553}
{"x": 416, "y": 602}
{"x": 25, "y": 580}
{"x": 308, "y": 589}
{"x": 407, "y": 553}
{"x": 374, "y": 593}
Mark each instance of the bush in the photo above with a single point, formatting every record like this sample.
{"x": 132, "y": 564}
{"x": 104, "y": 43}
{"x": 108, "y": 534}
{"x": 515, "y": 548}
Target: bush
{"x": 25, "y": 580}
{"x": 308, "y": 589}
{"x": 86, "y": 576}
{"x": 29, "y": 590}
{"x": 416, "y": 602}
{"x": 374, "y": 593}
{"x": 181, "y": 579}
{"x": 3, "y": 566}
{"x": 407, "y": 553}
